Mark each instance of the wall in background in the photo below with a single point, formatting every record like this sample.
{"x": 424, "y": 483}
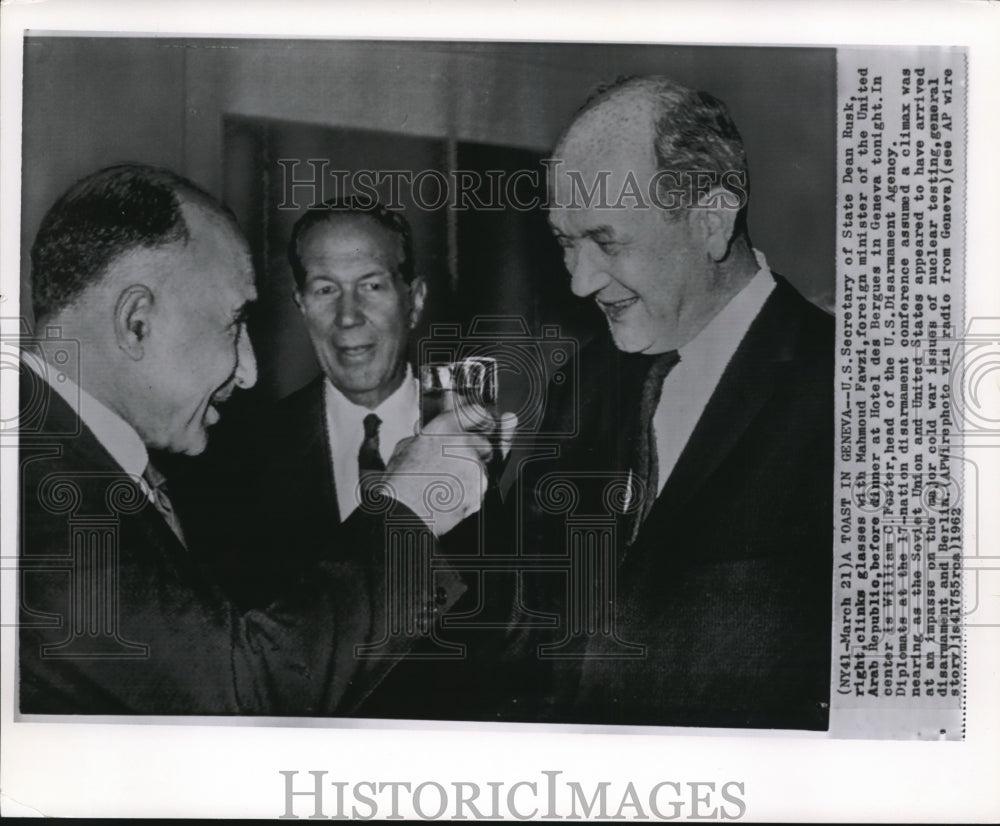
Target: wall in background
{"x": 89, "y": 102}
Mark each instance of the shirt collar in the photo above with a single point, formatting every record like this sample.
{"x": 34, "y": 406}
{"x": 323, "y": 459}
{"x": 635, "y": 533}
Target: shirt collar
{"x": 116, "y": 435}
{"x": 399, "y": 406}
{"x": 722, "y": 335}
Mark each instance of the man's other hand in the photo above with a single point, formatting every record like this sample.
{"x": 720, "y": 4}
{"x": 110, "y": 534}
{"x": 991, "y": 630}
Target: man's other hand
{"x": 441, "y": 474}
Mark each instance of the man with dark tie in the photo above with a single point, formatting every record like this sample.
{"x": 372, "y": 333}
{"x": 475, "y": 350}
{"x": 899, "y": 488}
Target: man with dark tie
{"x": 352, "y": 263}
{"x": 708, "y": 408}
{"x": 147, "y": 280}
{"x": 355, "y": 285}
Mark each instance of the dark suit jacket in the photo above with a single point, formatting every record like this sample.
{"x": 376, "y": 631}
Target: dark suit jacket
{"x": 260, "y": 505}
{"x": 116, "y": 617}
{"x": 294, "y": 495}
{"x": 722, "y": 606}
{"x": 292, "y": 509}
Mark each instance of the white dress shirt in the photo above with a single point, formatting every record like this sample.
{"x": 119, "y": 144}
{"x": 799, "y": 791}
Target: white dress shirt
{"x": 703, "y": 360}
{"x": 346, "y": 431}
{"x": 116, "y": 435}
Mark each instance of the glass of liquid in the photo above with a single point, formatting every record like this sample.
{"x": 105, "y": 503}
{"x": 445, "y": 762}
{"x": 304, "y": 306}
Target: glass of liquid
{"x": 458, "y": 384}
{"x": 469, "y": 381}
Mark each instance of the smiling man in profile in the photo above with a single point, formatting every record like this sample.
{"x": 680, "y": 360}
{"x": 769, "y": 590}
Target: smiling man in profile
{"x": 713, "y": 397}
{"x": 152, "y": 278}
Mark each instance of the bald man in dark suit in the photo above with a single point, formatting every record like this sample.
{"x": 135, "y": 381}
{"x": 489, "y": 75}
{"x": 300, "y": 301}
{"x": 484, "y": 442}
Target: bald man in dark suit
{"x": 151, "y": 278}
{"x": 705, "y": 429}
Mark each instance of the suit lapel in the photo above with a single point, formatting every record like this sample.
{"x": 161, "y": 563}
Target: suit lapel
{"x": 321, "y": 453}
{"x": 746, "y": 385}
{"x": 64, "y": 432}
{"x": 308, "y": 452}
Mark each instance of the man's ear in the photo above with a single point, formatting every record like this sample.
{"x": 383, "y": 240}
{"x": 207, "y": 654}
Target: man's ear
{"x": 715, "y": 223}
{"x": 297, "y": 296}
{"x": 418, "y": 294}
{"x": 133, "y": 320}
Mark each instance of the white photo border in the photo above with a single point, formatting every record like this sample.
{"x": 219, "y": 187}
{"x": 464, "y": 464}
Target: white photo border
{"x": 186, "y": 767}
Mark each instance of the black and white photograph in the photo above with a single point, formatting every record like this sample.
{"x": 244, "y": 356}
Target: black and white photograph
{"x": 580, "y": 309}
{"x": 569, "y": 396}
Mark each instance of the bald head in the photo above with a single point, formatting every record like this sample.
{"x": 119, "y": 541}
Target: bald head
{"x": 109, "y": 214}
{"x": 629, "y": 114}
{"x": 153, "y": 278}
{"x": 687, "y": 136}
{"x": 648, "y": 203}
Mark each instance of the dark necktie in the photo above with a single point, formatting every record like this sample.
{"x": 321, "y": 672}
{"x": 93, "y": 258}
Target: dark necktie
{"x": 157, "y": 483}
{"x": 645, "y": 466}
{"x": 369, "y": 459}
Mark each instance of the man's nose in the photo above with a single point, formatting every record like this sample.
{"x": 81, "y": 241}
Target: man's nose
{"x": 246, "y": 362}
{"x": 587, "y": 273}
{"x": 348, "y": 312}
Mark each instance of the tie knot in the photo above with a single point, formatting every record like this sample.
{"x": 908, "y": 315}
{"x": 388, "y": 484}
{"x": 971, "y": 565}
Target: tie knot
{"x": 153, "y": 477}
{"x": 157, "y": 484}
{"x": 662, "y": 364}
{"x": 369, "y": 456}
{"x": 372, "y": 423}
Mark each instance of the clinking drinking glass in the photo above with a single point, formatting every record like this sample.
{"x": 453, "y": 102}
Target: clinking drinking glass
{"x": 458, "y": 384}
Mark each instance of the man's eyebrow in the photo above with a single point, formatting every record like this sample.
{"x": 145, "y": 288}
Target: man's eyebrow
{"x": 601, "y": 233}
